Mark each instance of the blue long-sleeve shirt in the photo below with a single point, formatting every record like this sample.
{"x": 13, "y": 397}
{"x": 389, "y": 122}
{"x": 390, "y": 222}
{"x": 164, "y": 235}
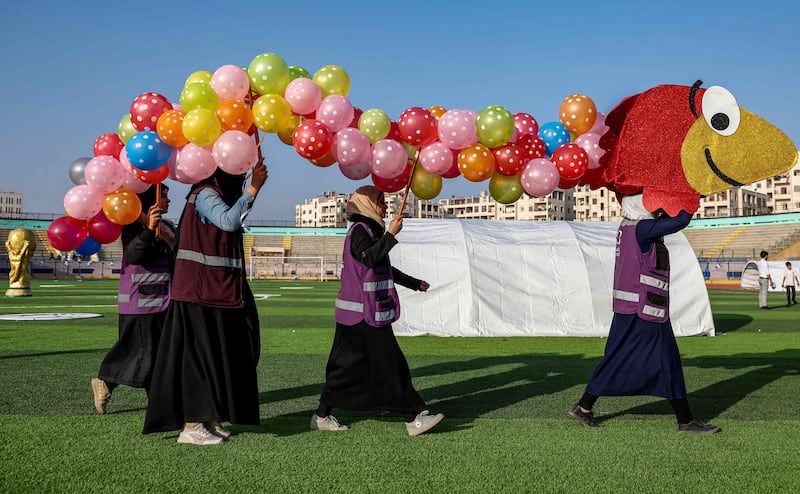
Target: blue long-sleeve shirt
{"x": 647, "y": 231}
{"x": 212, "y": 209}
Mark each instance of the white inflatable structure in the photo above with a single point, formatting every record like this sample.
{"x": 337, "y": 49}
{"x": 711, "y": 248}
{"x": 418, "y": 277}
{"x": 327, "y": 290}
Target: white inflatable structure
{"x": 750, "y": 274}
{"x": 528, "y": 278}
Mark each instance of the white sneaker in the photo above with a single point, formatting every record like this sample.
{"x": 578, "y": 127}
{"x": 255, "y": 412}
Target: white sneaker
{"x": 198, "y": 435}
{"x": 217, "y": 429}
{"x": 423, "y": 423}
{"x": 329, "y": 423}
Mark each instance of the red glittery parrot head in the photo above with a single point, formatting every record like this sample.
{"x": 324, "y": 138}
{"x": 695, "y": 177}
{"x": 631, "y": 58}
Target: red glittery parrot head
{"x": 678, "y": 143}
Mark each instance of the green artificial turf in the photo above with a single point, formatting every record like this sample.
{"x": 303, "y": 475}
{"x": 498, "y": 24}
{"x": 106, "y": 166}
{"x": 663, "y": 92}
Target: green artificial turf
{"x": 505, "y": 400}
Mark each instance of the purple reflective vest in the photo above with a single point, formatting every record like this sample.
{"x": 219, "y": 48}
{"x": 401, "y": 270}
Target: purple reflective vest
{"x": 209, "y": 263}
{"x": 144, "y": 288}
{"x": 641, "y": 280}
{"x": 366, "y": 294}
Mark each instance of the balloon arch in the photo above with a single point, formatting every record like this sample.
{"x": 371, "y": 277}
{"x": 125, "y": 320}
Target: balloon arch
{"x": 217, "y": 120}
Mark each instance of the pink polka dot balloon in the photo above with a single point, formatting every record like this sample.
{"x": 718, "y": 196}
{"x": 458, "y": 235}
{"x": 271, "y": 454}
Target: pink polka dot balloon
{"x": 230, "y": 82}
{"x": 351, "y": 147}
{"x": 570, "y": 160}
{"x": 194, "y": 163}
{"x": 389, "y": 158}
{"x": 303, "y": 96}
{"x": 235, "y": 152}
{"x": 336, "y": 112}
{"x": 539, "y": 177}
{"x": 457, "y": 129}
{"x": 104, "y": 173}
{"x": 83, "y": 201}
{"x": 590, "y": 142}
{"x": 436, "y": 158}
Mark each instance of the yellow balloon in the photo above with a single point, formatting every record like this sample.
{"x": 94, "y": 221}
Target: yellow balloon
{"x": 286, "y": 134}
{"x": 201, "y": 127}
{"x": 505, "y": 189}
{"x": 332, "y": 79}
{"x": 271, "y": 113}
{"x": 125, "y": 129}
{"x": 425, "y": 185}
{"x": 203, "y": 76}
{"x": 199, "y": 95}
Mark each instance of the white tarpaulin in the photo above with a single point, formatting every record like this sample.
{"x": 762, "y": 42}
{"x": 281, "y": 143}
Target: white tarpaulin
{"x": 528, "y": 278}
{"x": 750, "y": 274}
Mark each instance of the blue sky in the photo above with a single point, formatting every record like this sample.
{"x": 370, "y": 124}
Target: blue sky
{"x": 70, "y": 70}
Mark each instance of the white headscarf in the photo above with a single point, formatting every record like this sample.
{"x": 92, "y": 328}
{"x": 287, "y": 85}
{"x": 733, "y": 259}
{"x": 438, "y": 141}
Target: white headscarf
{"x": 633, "y": 209}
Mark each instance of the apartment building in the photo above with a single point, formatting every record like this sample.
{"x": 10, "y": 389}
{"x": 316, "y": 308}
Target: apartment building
{"x": 10, "y": 204}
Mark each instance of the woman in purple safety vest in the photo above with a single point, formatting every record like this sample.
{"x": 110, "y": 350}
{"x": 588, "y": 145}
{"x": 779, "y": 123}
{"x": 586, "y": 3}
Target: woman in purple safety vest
{"x": 205, "y": 370}
{"x": 641, "y": 355}
{"x": 144, "y": 288}
{"x": 366, "y": 369}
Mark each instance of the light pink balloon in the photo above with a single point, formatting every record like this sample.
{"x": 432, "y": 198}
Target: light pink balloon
{"x": 458, "y": 129}
{"x": 230, "y": 82}
{"x": 388, "y": 158}
{"x": 235, "y": 152}
{"x": 357, "y": 170}
{"x": 351, "y": 146}
{"x": 133, "y": 184}
{"x": 599, "y": 126}
{"x": 83, "y": 201}
{"x": 104, "y": 173}
{"x": 590, "y": 142}
{"x": 303, "y": 96}
{"x": 539, "y": 177}
{"x": 336, "y": 112}
{"x": 436, "y": 158}
{"x": 175, "y": 173}
{"x": 194, "y": 163}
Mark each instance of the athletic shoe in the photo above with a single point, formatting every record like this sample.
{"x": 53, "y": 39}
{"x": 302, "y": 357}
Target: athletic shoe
{"x": 697, "y": 427}
{"x": 585, "y": 418}
{"x": 101, "y": 395}
{"x": 423, "y": 422}
{"x": 328, "y": 423}
{"x": 198, "y": 435}
{"x": 217, "y": 429}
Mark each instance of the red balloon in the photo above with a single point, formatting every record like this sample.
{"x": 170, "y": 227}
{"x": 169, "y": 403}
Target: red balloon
{"x": 312, "y": 139}
{"x": 525, "y": 124}
{"x": 453, "y": 171}
{"x": 393, "y": 184}
{"x": 418, "y": 126}
{"x": 566, "y": 183}
{"x": 509, "y": 159}
{"x": 108, "y": 145}
{"x": 356, "y": 115}
{"x": 533, "y": 146}
{"x": 151, "y": 176}
{"x": 102, "y": 230}
{"x": 146, "y": 109}
{"x": 571, "y": 160}
{"x": 67, "y": 233}
{"x": 394, "y": 132}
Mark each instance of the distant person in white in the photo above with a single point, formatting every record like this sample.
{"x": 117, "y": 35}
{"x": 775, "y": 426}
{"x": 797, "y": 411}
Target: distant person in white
{"x": 789, "y": 281}
{"x": 764, "y": 280}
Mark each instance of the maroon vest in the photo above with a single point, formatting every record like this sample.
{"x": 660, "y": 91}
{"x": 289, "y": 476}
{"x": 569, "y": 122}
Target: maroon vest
{"x": 209, "y": 264}
{"x": 641, "y": 279}
{"x": 366, "y": 294}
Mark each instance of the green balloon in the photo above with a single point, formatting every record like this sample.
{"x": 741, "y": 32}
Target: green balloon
{"x": 374, "y": 124}
{"x": 332, "y": 79}
{"x": 495, "y": 126}
{"x": 268, "y": 74}
{"x": 125, "y": 129}
{"x": 504, "y": 189}
{"x": 199, "y": 95}
{"x": 296, "y": 71}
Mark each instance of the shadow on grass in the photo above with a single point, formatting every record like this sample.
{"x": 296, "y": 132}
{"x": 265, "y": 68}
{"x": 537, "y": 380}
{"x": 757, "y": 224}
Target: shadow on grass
{"x": 727, "y": 323}
{"x": 715, "y": 399}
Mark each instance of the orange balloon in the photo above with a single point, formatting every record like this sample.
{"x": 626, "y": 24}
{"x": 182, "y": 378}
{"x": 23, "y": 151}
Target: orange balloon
{"x": 122, "y": 207}
{"x": 326, "y": 160}
{"x": 436, "y": 111}
{"x": 234, "y": 114}
{"x": 578, "y": 113}
{"x": 476, "y": 163}
{"x": 170, "y": 128}
{"x": 286, "y": 135}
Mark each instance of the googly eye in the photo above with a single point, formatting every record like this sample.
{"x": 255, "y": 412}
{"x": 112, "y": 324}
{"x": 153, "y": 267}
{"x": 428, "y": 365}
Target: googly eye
{"x": 721, "y": 110}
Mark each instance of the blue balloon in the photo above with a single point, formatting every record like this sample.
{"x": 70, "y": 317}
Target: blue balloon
{"x": 553, "y": 134}
{"x": 88, "y": 247}
{"x": 146, "y": 151}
